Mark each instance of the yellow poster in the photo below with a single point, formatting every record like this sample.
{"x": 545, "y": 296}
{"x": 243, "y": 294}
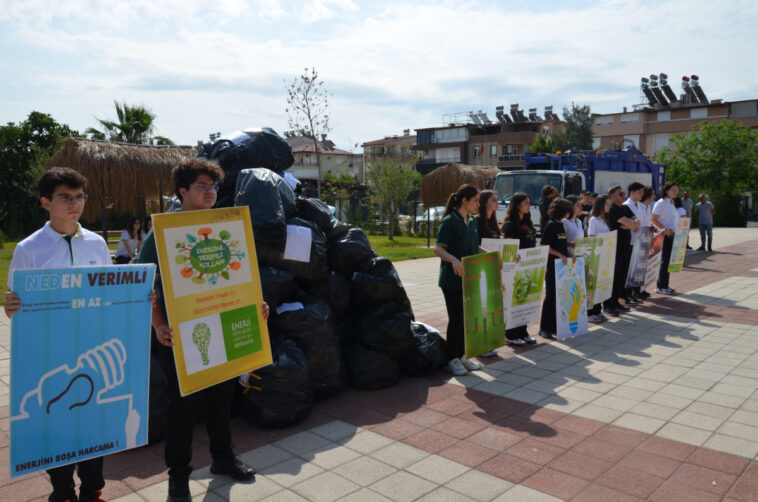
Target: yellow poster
{"x": 213, "y": 296}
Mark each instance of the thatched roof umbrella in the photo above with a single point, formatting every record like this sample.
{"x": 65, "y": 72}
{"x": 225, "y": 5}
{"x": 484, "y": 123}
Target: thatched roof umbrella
{"x": 437, "y": 186}
{"x": 124, "y": 175}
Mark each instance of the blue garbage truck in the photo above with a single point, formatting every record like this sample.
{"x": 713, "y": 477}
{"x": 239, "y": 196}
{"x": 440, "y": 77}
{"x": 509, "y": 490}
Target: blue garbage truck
{"x": 573, "y": 171}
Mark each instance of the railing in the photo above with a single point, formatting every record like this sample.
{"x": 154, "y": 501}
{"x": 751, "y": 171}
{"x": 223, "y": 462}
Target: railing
{"x": 510, "y": 157}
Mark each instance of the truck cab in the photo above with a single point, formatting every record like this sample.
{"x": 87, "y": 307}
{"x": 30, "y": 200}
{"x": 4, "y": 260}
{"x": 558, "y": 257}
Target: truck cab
{"x": 531, "y": 182}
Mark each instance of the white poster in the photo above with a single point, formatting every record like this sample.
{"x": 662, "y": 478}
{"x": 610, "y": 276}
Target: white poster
{"x": 528, "y": 283}
{"x": 571, "y": 299}
{"x": 604, "y": 288}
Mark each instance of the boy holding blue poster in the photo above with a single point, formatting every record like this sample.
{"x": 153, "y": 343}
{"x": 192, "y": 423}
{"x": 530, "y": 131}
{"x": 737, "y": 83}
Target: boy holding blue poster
{"x": 62, "y": 242}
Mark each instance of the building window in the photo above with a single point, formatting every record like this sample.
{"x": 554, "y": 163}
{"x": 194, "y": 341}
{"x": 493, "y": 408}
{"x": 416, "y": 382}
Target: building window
{"x": 493, "y": 151}
{"x": 699, "y": 113}
{"x": 664, "y": 116}
{"x": 475, "y": 151}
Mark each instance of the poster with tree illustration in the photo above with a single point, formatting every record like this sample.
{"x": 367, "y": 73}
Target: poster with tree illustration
{"x": 484, "y": 319}
{"x": 213, "y": 295}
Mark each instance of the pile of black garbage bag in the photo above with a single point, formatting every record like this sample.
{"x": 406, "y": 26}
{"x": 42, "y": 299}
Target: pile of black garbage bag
{"x": 339, "y": 314}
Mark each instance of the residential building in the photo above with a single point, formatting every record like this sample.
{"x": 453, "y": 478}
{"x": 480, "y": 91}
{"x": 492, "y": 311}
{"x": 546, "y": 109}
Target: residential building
{"x": 333, "y": 160}
{"x": 397, "y": 146}
{"x": 650, "y": 125}
{"x": 472, "y": 138}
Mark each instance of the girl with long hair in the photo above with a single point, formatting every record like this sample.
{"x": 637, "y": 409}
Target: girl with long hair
{"x": 488, "y": 227}
{"x": 572, "y": 224}
{"x": 597, "y": 225}
{"x": 518, "y": 225}
{"x": 457, "y": 237}
{"x": 131, "y": 242}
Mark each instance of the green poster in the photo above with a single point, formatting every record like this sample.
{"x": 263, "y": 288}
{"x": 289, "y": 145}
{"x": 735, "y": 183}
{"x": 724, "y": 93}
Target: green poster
{"x": 589, "y": 248}
{"x": 679, "y": 247}
{"x": 484, "y": 319}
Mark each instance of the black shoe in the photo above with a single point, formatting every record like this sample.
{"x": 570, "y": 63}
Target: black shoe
{"x": 688, "y": 246}
{"x": 701, "y": 248}
{"x": 644, "y": 295}
{"x": 622, "y": 308}
{"x": 545, "y": 334}
{"x": 234, "y": 468}
{"x": 612, "y": 311}
{"x": 631, "y": 300}
{"x": 57, "y": 497}
{"x": 178, "y": 489}
{"x": 710, "y": 250}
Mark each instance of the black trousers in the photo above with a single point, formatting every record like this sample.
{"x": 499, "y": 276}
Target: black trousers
{"x": 596, "y": 309}
{"x": 89, "y": 471}
{"x": 182, "y": 413}
{"x": 456, "y": 346}
{"x": 620, "y": 270}
{"x": 516, "y": 333}
{"x": 663, "y": 274}
{"x": 122, "y": 260}
{"x": 547, "y": 321}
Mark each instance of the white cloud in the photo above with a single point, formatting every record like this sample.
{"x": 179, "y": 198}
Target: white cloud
{"x": 397, "y": 66}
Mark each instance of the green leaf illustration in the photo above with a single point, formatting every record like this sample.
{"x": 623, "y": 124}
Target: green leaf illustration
{"x": 180, "y": 259}
{"x": 224, "y": 235}
{"x": 191, "y": 238}
{"x": 198, "y": 280}
{"x": 225, "y": 274}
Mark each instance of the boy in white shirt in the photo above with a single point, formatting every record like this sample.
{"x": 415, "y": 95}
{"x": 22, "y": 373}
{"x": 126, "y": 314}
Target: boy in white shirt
{"x": 634, "y": 202}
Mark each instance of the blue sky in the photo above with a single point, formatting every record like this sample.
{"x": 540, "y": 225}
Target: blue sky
{"x": 218, "y": 66}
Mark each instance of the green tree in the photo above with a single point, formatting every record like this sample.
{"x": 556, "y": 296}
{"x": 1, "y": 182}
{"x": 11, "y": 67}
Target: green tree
{"x": 542, "y": 144}
{"x": 308, "y": 111}
{"x": 717, "y": 158}
{"x": 391, "y": 181}
{"x": 25, "y": 149}
{"x": 134, "y": 124}
{"x": 577, "y": 129}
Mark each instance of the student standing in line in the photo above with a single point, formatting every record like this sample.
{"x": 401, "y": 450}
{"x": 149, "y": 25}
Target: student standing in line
{"x": 573, "y": 225}
{"x": 648, "y": 198}
{"x": 664, "y": 218}
{"x": 598, "y": 224}
{"x": 195, "y": 183}
{"x": 518, "y": 225}
{"x": 705, "y": 212}
{"x": 549, "y": 193}
{"x": 553, "y": 235}
{"x": 621, "y": 219}
{"x": 63, "y": 242}
{"x": 458, "y": 237}
{"x": 130, "y": 243}
{"x": 634, "y": 202}
{"x": 488, "y": 227}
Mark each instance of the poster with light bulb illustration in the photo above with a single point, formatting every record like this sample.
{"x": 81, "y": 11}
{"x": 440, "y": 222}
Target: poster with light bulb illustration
{"x": 606, "y": 267}
{"x": 679, "y": 247}
{"x": 213, "y": 295}
{"x": 483, "y": 316}
{"x": 571, "y": 299}
{"x": 80, "y": 364}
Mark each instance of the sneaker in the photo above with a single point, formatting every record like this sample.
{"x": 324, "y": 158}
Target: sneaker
{"x": 631, "y": 300}
{"x": 593, "y": 318}
{"x": 622, "y": 308}
{"x": 234, "y": 468}
{"x": 491, "y": 353}
{"x": 710, "y": 250}
{"x": 529, "y": 339}
{"x": 664, "y": 291}
{"x": 701, "y": 248}
{"x": 601, "y": 317}
{"x": 455, "y": 367}
{"x": 612, "y": 311}
{"x": 688, "y": 246}
{"x": 644, "y": 295}
{"x": 545, "y": 334}
{"x": 178, "y": 489}
{"x": 470, "y": 364}
{"x": 670, "y": 291}
{"x": 517, "y": 341}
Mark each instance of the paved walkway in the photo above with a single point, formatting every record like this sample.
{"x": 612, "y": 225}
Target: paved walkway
{"x": 659, "y": 404}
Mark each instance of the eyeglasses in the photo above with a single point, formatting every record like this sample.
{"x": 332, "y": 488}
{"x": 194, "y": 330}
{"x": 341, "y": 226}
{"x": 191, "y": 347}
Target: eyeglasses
{"x": 78, "y": 199}
{"x": 203, "y": 187}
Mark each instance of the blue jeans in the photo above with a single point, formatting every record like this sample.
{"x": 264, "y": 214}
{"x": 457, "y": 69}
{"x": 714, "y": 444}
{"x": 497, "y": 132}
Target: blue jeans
{"x": 706, "y": 228}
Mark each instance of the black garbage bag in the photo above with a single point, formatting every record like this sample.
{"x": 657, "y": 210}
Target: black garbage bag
{"x": 310, "y": 324}
{"x": 348, "y": 250}
{"x": 279, "y": 394}
{"x": 278, "y": 285}
{"x": 245, "y": 150}
{"x": 158, "y": 399}
{"x": 258, "y": 190}
{"x": 270, "y": 254}
{"x": 376, "y": 282}
{"x": 370, "y": 370}
{"x": 337, "y": 229}
{"x": 428, "y": 353}
{"x": 317, "y": 268}
{"x": 316, "y": 211}
{"x": 386, "y": 328}
{"x": 335, "y": 289}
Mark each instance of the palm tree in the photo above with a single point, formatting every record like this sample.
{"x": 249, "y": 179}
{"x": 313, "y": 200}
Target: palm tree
{"x": 134, "y": 125}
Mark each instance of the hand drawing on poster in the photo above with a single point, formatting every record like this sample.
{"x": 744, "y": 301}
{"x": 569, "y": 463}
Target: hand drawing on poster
{"x": 654, "y": 261}
{"x": 528, "y": 282}
{"x": 679, "y": 247}
{"x": 508, "y": 249}
{"x": 590, "y": 248}
{"x": 484, "y": 322}
{"x": 571, "y": 299}
{"x": 639, "y": 260}
{"x": 606, "y": 268}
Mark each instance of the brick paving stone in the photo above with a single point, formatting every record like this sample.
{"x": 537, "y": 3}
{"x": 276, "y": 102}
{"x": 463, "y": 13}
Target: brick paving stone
{"x": 671, "y": 490}
{"x": 556, "y": 483}
{"x": 468, "y": 453}
{"x": 703, "y": 478}
{"x": 630, "y": 481}
{"x": 494, "y": 438}
{"x": 510, "y": 468}
{"x": 650, "y": 463}
{"x": 478, "y": 485}
{"x": 597, "y": 448}
{"x": 580, "y": 465}
{"x": 667, "y": 448}
{"x": 599, "y": 493}
{"x": 324, "y": 487}
{"x": 535, "y": 451}
{"x": 719, "y": 461}
{"x": 402, "y": 487}
{"x": 745, "y": 490}
{"x": 430, "y": 441}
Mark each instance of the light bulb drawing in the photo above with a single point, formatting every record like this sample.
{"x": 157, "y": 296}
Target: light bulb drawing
{"x": 66, "y": 389}
{"x": 201, "y": 337}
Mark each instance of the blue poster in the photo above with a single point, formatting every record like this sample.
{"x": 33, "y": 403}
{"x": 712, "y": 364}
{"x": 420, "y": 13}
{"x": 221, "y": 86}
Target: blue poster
{"x": 80, "y": 352}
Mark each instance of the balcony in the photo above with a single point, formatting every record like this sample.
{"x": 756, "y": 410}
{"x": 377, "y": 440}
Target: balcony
{"x": 513, "y": 157}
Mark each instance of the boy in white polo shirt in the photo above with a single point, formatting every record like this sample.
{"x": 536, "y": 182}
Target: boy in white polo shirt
{"x": 62, "y": 242}
{"x": 634, "y": 202}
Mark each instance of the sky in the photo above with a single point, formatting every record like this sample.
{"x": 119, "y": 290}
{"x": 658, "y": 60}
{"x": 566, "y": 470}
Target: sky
{"x": 219, "y": 66}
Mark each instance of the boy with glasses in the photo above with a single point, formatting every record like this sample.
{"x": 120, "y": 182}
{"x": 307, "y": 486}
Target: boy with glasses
{"x": 195, "y": 185}
{"x": 62, "y": 242}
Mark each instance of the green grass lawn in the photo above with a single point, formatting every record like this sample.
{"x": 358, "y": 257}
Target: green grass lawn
{"x": 402, "y": 248}
{"x": 6, "y": 253}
